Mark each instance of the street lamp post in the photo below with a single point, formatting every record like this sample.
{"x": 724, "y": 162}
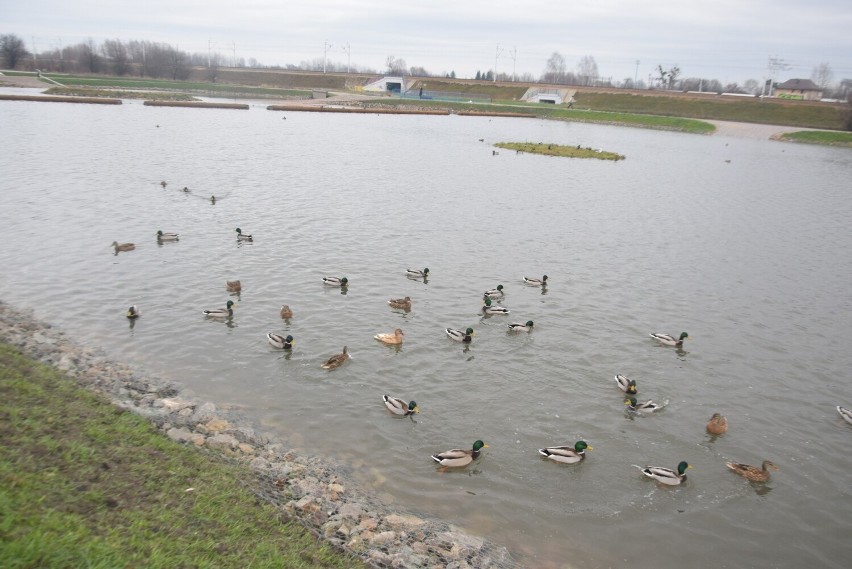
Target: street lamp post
{"x": 497, "y": 54}
{"x": 348, "y": 51}
{"x": 326, "y": 45}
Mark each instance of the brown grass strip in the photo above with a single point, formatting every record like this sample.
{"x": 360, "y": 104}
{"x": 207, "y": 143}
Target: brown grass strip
{"x": 52, "y": 99}
{"x": 378, "y": 111}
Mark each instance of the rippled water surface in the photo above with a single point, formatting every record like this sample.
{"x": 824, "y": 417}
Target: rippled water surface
{"x": 745, "y": 244}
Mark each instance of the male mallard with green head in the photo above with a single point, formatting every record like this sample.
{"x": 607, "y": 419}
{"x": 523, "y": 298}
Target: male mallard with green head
{"x": 226, "y": 312}
{"x": 567, "y": 454}
{"x": 399, "y": 407}
{"x": 626, "y": 385}
{"x": 666, "y": 475}
{"x": 669, "y": 340}
{"x": 457, "y": 458}
{"x": 518, "y": 327}
{"x": 279, "y": 341}
{"x": 459, "y": 336}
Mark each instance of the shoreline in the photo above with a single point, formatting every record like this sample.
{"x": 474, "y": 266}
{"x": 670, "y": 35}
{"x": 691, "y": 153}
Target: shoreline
{"x": 754, "y": 131}
{"x": 311, "y": 490}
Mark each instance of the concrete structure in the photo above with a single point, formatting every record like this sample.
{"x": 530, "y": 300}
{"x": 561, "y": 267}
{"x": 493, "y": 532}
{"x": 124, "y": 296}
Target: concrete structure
{"x": 798, "y": 89}
{"x": 551, "y": 95}
{"x": 387, "y": 85}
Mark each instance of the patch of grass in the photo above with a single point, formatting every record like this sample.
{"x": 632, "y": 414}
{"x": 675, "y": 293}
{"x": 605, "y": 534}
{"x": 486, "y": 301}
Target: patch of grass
{"x": 120, "y": 94}
{"x": 215, "y": 89}
{"x": 819, "y": 137}
{"x": 559, "y": 150}
{"x": 84, "y": 484}
{"x": 717, "y": 107}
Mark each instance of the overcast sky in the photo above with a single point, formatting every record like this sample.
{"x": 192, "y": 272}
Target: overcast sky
{"x": 728, "y": 40}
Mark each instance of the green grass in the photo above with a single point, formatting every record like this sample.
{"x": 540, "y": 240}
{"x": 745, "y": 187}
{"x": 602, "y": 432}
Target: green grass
{"x": 120, "y": 94}
{"x": 820, "y": 137}
{"x": 84, "y": 484}
{"x": 559, "y": 150}
{"x": 717, "y": 107}
{"x": 198, "y": 87}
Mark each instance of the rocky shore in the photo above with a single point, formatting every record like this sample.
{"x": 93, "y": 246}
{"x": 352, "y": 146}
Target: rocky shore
{"x": 312, "y": 490}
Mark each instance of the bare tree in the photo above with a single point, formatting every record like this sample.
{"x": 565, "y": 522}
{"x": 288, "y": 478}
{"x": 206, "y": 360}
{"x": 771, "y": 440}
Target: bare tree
{"x": 12, "y": 49}
{"x": 90, "y": 57}
{"x": 554, "y": 69}
{"x": 587, "y": 70}
{"x": 116, "y": 52}
{"x": 751, "y": 86}
{"x": 395, "y": 65}
{"x": 822, "y": 75}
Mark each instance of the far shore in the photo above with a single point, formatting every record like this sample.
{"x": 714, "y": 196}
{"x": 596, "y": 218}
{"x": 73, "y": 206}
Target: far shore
{"x": 335, "y": 100}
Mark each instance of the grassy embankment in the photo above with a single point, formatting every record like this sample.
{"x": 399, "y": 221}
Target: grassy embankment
{"x": 180, "y": 87}
{"x": 559, "y": 150}
{"x": 84, "y": 484}
{"x": 641, "y": 109}
{"x": 819, "y": 137}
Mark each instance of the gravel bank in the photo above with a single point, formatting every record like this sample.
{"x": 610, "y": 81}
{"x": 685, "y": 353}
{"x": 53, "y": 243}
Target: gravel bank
{"x": 310, "y": 489}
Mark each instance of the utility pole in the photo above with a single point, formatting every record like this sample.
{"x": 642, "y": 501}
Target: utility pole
{"x": 514, "y": 55}
{"x": 326, "y": 45}
{"x": 35, "y": 51}
{"x": 209, "y": 49}
{"x": 234, "y": 44}
{"x": 496, "y": 55}
{"x": 348, "y": 51}
{"x": 636, "y": 74}
{"x": 775, "y": 64}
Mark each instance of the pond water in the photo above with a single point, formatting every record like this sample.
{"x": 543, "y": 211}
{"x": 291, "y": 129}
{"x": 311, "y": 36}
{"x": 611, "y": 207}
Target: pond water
{"x": 744, "y": 244}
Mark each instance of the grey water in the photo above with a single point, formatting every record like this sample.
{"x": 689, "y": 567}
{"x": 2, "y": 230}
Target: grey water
{"x": 744, "y": 244}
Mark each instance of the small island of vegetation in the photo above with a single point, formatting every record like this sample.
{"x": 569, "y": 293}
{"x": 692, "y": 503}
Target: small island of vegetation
{"x": 560, "y": 150}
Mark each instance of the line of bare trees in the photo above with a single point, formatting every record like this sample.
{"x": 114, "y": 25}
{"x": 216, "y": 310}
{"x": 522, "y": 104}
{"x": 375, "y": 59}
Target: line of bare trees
{"x": 135, "y": 57}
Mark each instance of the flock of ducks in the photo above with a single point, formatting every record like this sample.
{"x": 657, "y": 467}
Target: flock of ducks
{"x": 459, "y": 458}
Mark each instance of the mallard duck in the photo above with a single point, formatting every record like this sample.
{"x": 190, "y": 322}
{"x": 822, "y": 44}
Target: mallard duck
{"x": 279, "y": 341}
{"x": 185, "y": 190}
{"x": 226, "y": 312}
{"x": 717, "y": 424}
{"x": 518, "y": 327}
{"x": 286, "y": 312}
{"x": 626, "y": 385}
{"x": 123, "y": 246}
{"x": 233, "y": 286}
{"x": 666, "y": 475}
{"x": 753, "y": 473}
{"x": 458, "y": 457}
{"x": 845, "y": 413}
{"x": 399, "y": 407}
{"x": 404, "y": 303}
{"x": 649, "y": 405}
{"x": 335, "y": 281}
{"x": 415, "y": 274}
{"x": 167, "y": 236}
{"x": 495, "y": 292}
{"x": 566, "y": 454}
{"x": 489, "y": 308}
{"x": 459, "y": 336}
{"x": 133, "y": 312}
{"x": 337, "y": 360}
{"x": 536, "y": 282}
{"x": 395, "y": 338}
{"x": 163, "y": 183}
{"x": 243, "y": 236}
{"x": 670, "y": 340}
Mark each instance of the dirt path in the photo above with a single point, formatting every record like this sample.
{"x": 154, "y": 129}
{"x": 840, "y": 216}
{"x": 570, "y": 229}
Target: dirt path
{"x": 753, "y": 131}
